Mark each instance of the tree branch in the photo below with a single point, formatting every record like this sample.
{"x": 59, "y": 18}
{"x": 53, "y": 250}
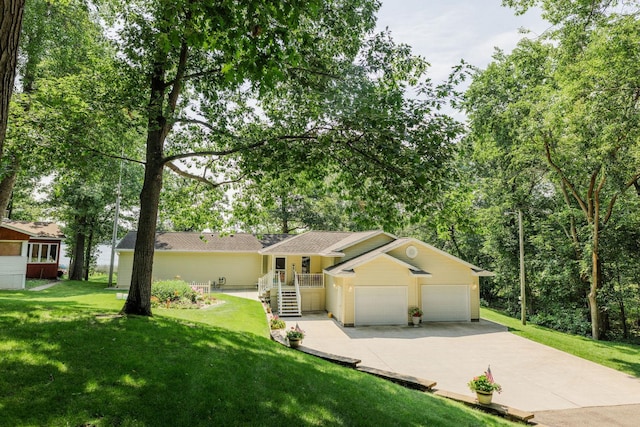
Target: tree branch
{"x": 592, "y": 191}
{"x": 234, "y": 150}
{"x": 195, "y": 122}
{"x": 176, "y": 86}
{"x": 199, "y": 178}
{"x": 633, "y": 181}
{"x": 113, "y": 156}
{"x": 195, "y": 75}
{"x": 318, "y": 73}
{"x": 227, "y": 152}
{"x": 564, "y": 179}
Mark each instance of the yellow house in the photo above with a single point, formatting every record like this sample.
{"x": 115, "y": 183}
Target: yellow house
{"x": 362, "y": 278}
{"x": 230, "y": 260}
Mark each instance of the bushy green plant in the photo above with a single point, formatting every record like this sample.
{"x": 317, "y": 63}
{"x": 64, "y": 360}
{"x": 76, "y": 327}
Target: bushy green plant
{"x": 277, "y": 323}
{"x": 295, "y": 333}
{"x": 174, "y": 291}
{"x": 415, "y": 312}
{"x": 572, "y": 321}
{"x": 483, "y": 383}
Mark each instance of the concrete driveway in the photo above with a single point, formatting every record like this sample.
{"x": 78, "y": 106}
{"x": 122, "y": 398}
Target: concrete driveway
{"x": 534, "y": 377}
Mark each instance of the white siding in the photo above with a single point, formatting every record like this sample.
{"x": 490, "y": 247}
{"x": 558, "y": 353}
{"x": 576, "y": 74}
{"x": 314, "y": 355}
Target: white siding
{"x": 13, "y": 270}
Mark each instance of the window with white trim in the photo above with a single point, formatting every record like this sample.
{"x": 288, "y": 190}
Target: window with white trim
{"x": 43, "y": 253}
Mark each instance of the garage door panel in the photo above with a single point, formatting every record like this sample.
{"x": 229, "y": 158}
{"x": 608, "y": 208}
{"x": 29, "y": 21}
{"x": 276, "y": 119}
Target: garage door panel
{"x": 380, "y": 305}
{"x": 446, "y": 303}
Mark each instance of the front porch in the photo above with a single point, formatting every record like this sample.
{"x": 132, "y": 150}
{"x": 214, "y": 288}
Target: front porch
{"x": 305, "y": 293}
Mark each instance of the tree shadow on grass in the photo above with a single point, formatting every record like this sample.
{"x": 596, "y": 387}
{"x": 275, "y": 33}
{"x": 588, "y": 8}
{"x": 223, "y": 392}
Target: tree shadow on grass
{"x": 63, "y": 363}
{"x": 629, "y": 366}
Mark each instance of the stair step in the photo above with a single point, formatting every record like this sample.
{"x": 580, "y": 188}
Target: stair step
{"x": 288, "y": 303}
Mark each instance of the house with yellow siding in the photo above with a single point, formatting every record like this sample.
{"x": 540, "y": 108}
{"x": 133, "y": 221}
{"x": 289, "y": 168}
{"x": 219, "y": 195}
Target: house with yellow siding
{"x": 361, "y": 278}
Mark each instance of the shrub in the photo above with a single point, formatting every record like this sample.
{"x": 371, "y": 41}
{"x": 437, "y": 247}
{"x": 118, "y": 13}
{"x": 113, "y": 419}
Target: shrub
{"x": 174, "y": 291}
{"x": 572, "y": 321}
{"x": 277, "y": 323}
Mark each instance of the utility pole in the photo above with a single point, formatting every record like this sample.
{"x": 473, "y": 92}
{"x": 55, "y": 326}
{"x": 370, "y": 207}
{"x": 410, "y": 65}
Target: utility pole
{"x": 115, "y": 227}
{"x": 523, "y": 298}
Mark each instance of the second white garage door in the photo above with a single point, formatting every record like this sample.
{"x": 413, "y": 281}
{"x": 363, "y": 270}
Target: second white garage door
{"x": 445, "y": 303}
{"x": 380, "y": 305}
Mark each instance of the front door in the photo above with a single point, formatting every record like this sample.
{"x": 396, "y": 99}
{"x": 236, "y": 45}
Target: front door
{"x": 280, "y": 269}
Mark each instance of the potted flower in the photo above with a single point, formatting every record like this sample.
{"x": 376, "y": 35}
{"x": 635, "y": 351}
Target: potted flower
{"x": 295, "y": 336}
{"x": 484, "y": 386}
{"x": 277, "y": 323}
{"x": 416, "y": 315}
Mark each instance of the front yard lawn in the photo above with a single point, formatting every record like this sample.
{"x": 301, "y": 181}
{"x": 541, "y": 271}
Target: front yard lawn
{"x": 619, "y": 356}
{"x": 68, "y": 358}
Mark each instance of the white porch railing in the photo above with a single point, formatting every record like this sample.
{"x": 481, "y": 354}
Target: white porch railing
{"x": 297, "y": 285}
{"x": 310, "y": 280}
{"x": 266, "y": 283}
{"x": 270, "y": 281}
{"x": 204, "y": 287}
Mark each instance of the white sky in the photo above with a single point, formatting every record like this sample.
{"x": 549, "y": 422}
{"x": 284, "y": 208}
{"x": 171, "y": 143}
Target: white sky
{"x": 445, "y": 31}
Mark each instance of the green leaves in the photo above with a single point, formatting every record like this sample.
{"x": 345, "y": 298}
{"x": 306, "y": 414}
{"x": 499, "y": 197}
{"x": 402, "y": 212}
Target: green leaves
{"x": 555, "y": 128}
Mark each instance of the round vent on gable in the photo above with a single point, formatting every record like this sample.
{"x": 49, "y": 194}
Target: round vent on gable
{"x": 412, "y": 252}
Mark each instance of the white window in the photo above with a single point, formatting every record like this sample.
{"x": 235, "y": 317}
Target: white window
{"x": 43, "y": 252}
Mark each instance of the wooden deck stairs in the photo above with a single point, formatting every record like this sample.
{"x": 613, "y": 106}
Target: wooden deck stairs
{"x": 288, "y": 302}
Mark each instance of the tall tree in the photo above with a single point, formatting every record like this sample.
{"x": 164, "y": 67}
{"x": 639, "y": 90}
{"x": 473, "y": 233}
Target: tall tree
{"x": 67, "y": 111}
{"x": 10, "y": 28}
{"x": 294, "y": 203}
{"x": 58, "y": 41}
{"x": 579, "y": 96}
{"x": 260, "y": 86}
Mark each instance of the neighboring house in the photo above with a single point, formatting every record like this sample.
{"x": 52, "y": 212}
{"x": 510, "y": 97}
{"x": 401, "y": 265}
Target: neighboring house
{"x": 28, "y": 250}
{"x": 361, "y": 278}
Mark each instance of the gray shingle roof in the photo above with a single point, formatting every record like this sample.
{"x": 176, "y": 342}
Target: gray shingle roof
{"x": 348, "y": 266}
{"x": 206, "y": 242}
{"x": 35, "y": 229}
{"x": 327, "y": 243}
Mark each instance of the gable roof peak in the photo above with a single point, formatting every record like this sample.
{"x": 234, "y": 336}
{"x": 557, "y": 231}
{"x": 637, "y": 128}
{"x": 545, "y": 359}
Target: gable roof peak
{"x": 323, "y": 243}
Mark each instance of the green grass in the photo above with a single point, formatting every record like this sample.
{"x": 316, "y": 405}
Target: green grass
{"x": 33, "y": 283}
{"x": 619, "y": 356}
{"x": 68, "y": 359}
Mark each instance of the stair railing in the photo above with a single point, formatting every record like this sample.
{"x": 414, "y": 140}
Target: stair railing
{"x": 279, "y": 292}
{"x": 265, "y": 283}
{"x": 298, "y": 297}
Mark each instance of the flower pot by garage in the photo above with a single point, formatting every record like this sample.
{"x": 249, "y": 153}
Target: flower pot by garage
{"x": 294, "y": 342}
{"x": 415, "y": 320}
{"x": 484, "y": 397}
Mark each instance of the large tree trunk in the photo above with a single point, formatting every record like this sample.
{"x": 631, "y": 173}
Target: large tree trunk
{"x": 10, "y": 26}
{"x": 139, "y": 299}
{"x": 78, "y": 257}
{"x": 597, "y": 325}
{"x": 594, "y": 309}
{"x": 7, "y": 182}
{"x": 87, "y": 256}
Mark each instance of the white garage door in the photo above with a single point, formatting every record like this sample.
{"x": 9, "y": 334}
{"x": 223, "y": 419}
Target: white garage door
{"x": 445, "y": 303}
{"x": 381, "y": 305}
